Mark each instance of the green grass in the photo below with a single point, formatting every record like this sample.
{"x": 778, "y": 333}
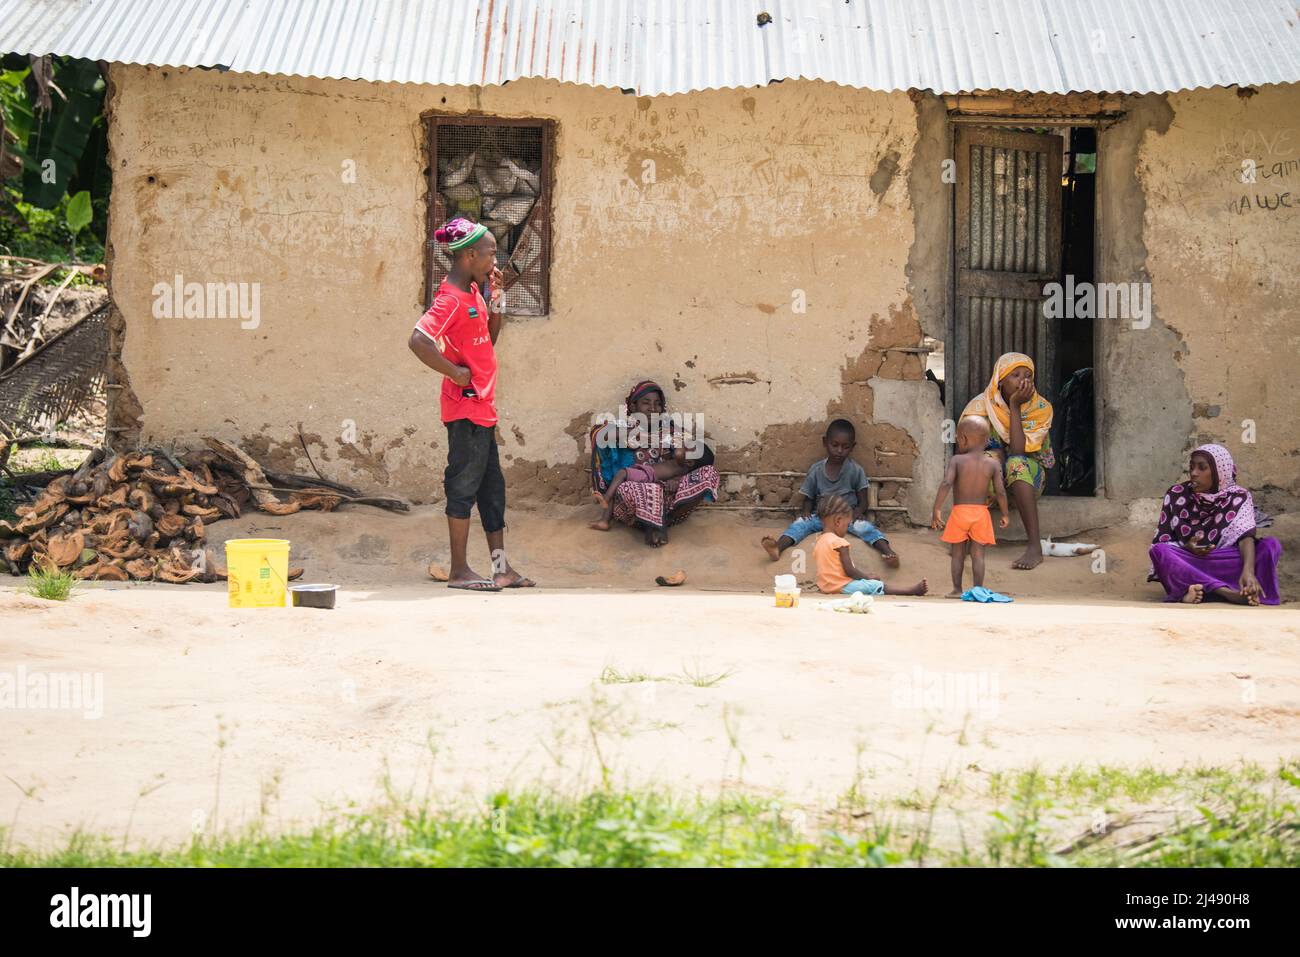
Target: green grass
{"x": 695, "y": 675}
{"x": 1212, "y": 817}
{"x": 644, "y": 829}
{"x": 692, "y": 675}
{"x": 50, "y": 585}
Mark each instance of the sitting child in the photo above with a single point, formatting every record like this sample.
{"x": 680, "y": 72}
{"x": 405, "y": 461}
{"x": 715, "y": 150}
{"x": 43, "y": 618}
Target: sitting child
{"x": 836, "y": 573}
{"x": 836, "y": 476}
{"x": 969, "y": 523}
{"x": 665, "y": 470}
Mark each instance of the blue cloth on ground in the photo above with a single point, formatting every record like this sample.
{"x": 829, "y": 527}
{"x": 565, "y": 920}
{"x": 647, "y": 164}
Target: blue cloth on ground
{"x": 981, "y": 594}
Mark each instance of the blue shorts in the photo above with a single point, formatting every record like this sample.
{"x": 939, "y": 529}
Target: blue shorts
{"x": 801, "y": 528}
{"x": 864, "y": 586}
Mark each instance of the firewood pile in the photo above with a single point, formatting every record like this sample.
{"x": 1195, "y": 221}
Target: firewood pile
{"x": 143, "y": 515}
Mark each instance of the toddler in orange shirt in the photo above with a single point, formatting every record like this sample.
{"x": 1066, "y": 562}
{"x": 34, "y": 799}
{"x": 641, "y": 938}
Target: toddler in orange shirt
{"x": 969, "y": 526}
{"x": 836, "y": 573}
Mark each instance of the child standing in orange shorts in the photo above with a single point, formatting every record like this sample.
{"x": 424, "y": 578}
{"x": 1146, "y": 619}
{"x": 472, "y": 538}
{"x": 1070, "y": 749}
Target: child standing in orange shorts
{"x": 969, "y": 526}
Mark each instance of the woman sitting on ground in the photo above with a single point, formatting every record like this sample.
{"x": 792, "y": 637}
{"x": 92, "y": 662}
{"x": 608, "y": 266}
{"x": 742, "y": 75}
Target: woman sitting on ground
{"x": 645, "y": 438}
{"x": 1205, "y": 543}
{"x": 1020, "y": 424}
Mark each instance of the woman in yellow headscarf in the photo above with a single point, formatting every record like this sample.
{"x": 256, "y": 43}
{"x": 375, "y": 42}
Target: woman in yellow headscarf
{"x": 1020, "y": 422}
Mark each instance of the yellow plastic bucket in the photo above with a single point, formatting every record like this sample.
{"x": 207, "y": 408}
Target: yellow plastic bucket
{"x": 258, "y": 572}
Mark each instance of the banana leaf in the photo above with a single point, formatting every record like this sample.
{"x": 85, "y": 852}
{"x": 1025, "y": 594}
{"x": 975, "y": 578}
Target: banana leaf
{"x": 61, "y": 135}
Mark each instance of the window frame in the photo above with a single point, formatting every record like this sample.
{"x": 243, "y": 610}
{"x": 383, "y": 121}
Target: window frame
{"x": 436, "y": 212}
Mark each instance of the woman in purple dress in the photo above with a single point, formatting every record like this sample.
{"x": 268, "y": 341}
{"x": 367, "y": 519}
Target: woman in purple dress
{"x": 1205, "y": 544}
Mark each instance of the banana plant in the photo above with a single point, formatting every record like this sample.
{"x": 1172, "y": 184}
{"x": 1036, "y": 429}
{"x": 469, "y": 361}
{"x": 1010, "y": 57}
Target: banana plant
{"x": 51, "y": 142}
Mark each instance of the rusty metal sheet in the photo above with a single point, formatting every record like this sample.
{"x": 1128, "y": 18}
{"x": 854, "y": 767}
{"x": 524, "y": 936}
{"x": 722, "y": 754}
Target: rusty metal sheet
{"x": 675, "y": 46}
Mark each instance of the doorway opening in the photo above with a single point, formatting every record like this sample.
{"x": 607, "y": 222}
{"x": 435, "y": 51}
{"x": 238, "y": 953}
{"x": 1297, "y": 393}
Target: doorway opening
{"x": 1024, "y": 223}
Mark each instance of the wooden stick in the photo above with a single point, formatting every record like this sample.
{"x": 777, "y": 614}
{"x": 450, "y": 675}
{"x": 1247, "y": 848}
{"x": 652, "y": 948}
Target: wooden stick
{"x": 37, "y": 333}
{"x": 306, "y": 481}
{"x": 251, "y": 472}
{"x": 391, "y": 504}
{"x": 303, "y": 442}
{"x": 38, "y": 479}
{"x": 787, "y": 508}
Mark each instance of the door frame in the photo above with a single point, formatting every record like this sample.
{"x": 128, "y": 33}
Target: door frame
{"x": 1099, "y": 379}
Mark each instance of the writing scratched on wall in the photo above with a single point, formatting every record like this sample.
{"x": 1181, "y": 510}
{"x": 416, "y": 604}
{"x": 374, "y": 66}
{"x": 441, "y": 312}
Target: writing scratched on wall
{"x": 1265, "y": 202}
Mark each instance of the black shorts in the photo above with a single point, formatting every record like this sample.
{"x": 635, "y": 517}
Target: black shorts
{"x": 474, "y": 474}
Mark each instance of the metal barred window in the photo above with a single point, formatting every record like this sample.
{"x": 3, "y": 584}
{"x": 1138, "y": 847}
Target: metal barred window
{"x": 497, "y": 172}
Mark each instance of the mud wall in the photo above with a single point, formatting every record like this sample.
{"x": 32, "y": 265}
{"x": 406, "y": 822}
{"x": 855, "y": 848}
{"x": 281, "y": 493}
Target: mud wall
{"x": 759, "y": 273}
{"x": 1221, "y": 257}
{"x": 764, "y": 254}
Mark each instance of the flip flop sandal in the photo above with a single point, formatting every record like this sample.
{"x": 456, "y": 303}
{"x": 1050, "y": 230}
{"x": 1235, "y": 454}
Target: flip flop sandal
{"x": 521, "y": 583}
{"x": 476, "y": 584}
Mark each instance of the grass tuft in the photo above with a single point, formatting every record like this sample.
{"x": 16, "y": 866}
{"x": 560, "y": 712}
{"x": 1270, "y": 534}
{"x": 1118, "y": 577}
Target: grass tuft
{"x": 50, "y": 584}
{"x": 694, "y": 675}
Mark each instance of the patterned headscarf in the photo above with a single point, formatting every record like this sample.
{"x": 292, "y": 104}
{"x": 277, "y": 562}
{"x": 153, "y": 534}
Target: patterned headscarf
{"x": 1035, "y": 415}
{"x": 635, "y": 445}
{"x": 642, "y": 389}
{"x": 1222, "y": 516}
{"x": 459, "y": 233}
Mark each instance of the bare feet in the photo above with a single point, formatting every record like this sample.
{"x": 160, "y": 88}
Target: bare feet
{"x": 920, "y": 588}
{"x": 600, "y": 499}
{"x": 655, "y": 537}
{"x": 1229, "y": 594}
{"x": 1032, "y": 558}
{"x": 600, "y": 525}
{"x": 1194, "y": 594}
{"x": 887, "y": 552}
{"x": 770, "y": 546}
{"x": 953, "y": 594}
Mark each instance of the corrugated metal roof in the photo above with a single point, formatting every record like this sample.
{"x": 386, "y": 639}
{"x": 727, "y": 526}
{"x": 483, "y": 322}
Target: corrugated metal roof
{"x": 674, "y": 46}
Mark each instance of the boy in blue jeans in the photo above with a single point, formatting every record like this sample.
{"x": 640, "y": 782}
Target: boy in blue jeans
{"x": 837, "y": 475}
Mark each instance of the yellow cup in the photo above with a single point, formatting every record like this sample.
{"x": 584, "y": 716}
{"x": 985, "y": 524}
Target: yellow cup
{"x": 787, "y": 599}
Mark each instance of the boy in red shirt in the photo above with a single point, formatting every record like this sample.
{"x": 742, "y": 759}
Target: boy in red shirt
{"x": 456, "y": 338}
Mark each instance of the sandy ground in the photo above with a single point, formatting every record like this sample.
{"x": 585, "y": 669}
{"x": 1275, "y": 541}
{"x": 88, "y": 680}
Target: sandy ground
{"x": 283, "y": 713}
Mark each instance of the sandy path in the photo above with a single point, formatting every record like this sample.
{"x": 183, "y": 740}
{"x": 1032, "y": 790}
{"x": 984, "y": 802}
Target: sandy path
{"x": 507, "y": 688}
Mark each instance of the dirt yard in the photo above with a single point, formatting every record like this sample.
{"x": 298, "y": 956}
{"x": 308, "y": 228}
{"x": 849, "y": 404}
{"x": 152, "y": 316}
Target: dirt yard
{"x": 279, "y": 714}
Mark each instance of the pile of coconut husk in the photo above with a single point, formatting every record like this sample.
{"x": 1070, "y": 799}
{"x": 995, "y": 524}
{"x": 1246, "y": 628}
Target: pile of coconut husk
{"x": 143, "y": 515}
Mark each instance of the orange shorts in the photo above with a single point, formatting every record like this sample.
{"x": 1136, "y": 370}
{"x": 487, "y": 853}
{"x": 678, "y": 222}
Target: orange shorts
{"x": 969, "y": 522}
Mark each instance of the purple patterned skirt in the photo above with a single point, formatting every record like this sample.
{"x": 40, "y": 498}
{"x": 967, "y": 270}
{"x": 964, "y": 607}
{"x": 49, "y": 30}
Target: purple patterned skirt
{"x": 1177, "y": 569}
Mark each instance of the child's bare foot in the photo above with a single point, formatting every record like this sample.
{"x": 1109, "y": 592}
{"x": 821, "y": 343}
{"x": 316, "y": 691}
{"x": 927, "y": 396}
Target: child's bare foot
{"x": 600, "y": 499}
{"x": 770, "y": 546}
{"x": 920, "y": 588}
{"x": 600, "y": 525}
{"x": 953, "y": 594}
{"x": 1194, "y": 594}
{"x": 887, "y": 553}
